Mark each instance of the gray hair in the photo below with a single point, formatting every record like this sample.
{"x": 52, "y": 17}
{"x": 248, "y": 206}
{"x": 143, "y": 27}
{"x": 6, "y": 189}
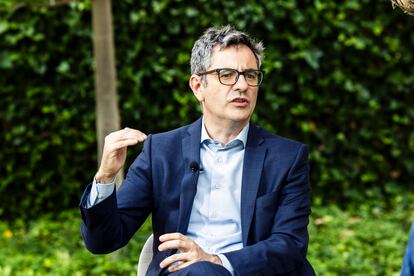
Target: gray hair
{"x": 223, "y": 37}
{"x": 406, "y": 5}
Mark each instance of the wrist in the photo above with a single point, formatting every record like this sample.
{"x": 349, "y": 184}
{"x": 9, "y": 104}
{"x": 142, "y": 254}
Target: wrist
{"x": 215, "y": 259}
{"x": 103, "y": 178}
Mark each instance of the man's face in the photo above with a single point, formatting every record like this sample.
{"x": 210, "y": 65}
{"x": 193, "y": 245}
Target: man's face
{"x": 223, "y": 103}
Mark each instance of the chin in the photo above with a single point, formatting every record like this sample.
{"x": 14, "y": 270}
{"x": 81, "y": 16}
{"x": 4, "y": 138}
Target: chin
{"x": 240, "y": 118}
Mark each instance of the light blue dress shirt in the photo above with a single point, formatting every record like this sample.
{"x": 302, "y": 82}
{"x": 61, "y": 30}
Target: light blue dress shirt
{"x": 215, "y": 220}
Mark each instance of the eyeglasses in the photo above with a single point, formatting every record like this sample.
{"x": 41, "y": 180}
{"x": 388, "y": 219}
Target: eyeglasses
{"x": 228, "y": 76}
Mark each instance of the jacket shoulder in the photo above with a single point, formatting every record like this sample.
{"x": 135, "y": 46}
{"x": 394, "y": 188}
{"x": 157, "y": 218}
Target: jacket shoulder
{"x": 177, "y": 133}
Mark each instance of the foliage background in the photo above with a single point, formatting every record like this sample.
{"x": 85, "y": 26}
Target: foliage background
{"x": 342, "y": 243}
{"x": 338, "y": 76}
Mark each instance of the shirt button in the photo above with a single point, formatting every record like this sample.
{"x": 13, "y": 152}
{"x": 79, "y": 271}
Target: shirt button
{"x": 219, "y": 160}
{"x": 217, "y": 186}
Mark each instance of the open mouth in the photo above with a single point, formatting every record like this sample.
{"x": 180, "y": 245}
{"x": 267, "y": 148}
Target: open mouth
{"x": 239, "y": 100}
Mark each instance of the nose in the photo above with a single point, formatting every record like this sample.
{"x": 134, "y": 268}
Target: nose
{"x": 241, "y": 83}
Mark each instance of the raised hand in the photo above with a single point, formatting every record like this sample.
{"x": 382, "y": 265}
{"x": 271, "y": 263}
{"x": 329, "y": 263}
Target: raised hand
{"x": 114, "y": 152}
{"x": 190, "y": 252}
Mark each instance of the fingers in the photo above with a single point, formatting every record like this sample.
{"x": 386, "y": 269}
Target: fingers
{"x": 124, "y": 143}
{"x": 140, "y": 136}
{"x": 173, "y": 236}
{"x": 174, "y": 241}
{"x": 174, "y": 260}
{"x": 180, "y": 265}
{"x": 114, "y": 152}
{"x": 189, "y": 250}
{"x": 123, "y": 138}
{"x": 127, "y": 135}
{"x": 178, "y": 261}
{"x": 174, "y": 244}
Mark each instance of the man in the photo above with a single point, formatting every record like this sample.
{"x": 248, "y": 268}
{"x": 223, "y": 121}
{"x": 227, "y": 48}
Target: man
{"x": 226, "y": 197}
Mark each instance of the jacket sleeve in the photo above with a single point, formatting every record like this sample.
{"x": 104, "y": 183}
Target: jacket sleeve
{"x": 110, "y": 224}
{"x": 284, "y": 251}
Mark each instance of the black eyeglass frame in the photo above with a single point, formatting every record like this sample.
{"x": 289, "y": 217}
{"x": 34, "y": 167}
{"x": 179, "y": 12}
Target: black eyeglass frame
{"x": 260, "y": 74}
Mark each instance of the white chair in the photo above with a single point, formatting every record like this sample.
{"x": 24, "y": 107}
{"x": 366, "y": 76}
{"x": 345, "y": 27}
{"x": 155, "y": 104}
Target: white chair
{"x": 145, "y": 257}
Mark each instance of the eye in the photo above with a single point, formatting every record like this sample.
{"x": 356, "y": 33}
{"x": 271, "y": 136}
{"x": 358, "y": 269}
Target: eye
{"x": 227, "y": 74}
{"x": 251, "y": 75}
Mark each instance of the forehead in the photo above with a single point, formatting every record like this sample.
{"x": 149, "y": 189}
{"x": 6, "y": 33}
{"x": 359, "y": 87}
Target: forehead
{"x": 234, "y": 56}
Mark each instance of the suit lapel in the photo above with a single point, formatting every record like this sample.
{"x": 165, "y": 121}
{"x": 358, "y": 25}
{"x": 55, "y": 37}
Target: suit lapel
{"x": 252, "y": 170}
{"x": 191, "y": 153}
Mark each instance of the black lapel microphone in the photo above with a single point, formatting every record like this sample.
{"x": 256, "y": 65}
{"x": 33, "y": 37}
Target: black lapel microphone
{"x": 195, "y": 167}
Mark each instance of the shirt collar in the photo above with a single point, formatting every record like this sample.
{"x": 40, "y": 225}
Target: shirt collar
{"x": 242, "y": 136}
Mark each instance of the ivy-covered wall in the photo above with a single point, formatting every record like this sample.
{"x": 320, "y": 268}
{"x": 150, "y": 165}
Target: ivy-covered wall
{"x": 338, "y": 76}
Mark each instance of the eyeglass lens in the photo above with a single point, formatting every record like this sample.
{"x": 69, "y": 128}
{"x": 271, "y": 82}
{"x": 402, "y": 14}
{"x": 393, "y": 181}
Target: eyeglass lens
{"x": 231, "y": 76}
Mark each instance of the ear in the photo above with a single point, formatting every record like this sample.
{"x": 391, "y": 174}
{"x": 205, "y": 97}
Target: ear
{"x": 196, "y": 85}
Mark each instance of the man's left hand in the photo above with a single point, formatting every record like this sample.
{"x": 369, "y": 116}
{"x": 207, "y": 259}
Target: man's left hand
{"x": 190, "y": 252}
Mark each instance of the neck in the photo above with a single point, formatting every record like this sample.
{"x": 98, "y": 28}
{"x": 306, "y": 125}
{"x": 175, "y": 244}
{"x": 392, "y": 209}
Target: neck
{"x": 224, "y": 131}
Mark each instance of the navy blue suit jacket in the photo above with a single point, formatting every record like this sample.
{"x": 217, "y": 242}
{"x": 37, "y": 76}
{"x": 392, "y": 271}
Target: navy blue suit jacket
{"x": 275, "y": 201}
